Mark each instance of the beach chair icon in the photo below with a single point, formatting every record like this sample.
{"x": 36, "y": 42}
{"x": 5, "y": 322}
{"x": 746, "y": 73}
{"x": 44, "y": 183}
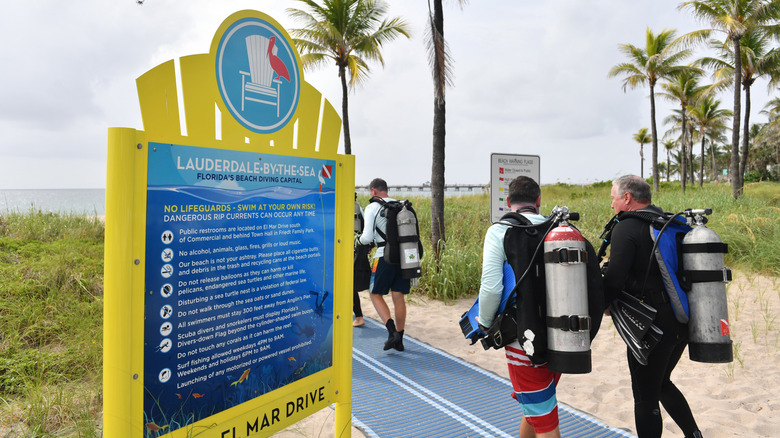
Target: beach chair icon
{"x": 259, "y": 85}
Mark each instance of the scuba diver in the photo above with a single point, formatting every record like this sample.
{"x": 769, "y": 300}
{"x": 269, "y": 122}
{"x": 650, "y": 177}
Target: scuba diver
{"x": 362, "y": 268}
{"x": 533, "y": 384}
{"x": 627, "y": 270}
{"x": 386, "y": 278}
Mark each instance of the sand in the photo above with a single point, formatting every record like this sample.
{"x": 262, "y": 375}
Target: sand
{"x": 728, "y": 400}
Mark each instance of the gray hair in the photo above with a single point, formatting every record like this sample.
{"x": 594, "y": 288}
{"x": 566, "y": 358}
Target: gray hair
{"x": 639, "y": 188}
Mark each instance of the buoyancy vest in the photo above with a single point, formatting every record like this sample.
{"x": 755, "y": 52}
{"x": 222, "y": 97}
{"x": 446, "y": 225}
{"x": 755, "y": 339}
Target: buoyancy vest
{"x": 520, "y": 246}
{"x": 667, "y": 230}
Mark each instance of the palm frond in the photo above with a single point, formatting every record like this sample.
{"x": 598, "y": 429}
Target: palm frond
{"x": 350, "y": 32}
{"x": 439, "y": 59}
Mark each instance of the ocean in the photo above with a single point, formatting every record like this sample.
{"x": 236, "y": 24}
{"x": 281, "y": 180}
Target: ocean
{"x": 64, "y": 201}
{"x": 93, "y": 201}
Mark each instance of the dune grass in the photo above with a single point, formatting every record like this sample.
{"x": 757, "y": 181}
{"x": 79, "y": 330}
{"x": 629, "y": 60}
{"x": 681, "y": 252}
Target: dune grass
{"x": 750, "y": 226}
{"x": 51, "y": 307}
{"x": 51, "y": 293}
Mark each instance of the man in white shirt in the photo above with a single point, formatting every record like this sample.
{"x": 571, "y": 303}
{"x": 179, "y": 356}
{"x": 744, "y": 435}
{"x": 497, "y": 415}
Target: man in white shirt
{"x": 385, "y": 277}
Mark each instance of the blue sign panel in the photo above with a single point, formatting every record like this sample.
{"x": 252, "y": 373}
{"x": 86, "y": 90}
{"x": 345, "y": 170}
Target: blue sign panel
{"x": 239, "y": 285}
{"x": 258, "y": 75}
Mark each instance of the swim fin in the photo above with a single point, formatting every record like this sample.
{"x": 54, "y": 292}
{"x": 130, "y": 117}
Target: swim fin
{"x": 633, "y": 321}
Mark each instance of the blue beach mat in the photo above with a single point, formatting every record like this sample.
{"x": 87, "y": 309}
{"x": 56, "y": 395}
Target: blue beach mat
{"x": 425, "y": 392}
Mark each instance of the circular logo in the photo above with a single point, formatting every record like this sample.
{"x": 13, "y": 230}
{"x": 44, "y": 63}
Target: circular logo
{"x": 167, "y": 237}
{"x": 166, "y": 311}
{"x": 258, "y": 75}
{"x": 167, "y": 255}
{"x": 166, "y": 328}
{"x": 165, "y": 346}
{"x": 165, "y": 375}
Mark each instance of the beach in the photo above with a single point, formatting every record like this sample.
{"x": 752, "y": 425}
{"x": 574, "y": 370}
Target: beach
{"x": 727, "y": 400}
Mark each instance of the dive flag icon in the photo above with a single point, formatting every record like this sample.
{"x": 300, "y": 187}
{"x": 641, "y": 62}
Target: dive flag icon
{"x": 326, "y": 172}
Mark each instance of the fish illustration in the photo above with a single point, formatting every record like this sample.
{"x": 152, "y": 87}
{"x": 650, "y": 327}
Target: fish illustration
{"x": 155, "y": 428}
{"x": 292, "y": 359}
{"x": 178, "y": 395}
{"x": 242, "y": 378}
{"x": 196, "y": 395}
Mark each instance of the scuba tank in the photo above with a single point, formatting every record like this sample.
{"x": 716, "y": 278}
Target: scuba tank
{"x": 568, "y": 321}
{"x": 706, "y": 274}
{"x": 408, "y": 244}
{"x": 401, "y": 237}
{"x": 358, "y": 217}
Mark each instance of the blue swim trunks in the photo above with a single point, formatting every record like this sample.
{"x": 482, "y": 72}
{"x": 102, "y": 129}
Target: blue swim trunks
{"x": 386, "y": 277}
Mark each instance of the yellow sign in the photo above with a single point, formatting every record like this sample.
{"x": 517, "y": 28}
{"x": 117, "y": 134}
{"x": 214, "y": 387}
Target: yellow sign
{"x": 228, "y": 247}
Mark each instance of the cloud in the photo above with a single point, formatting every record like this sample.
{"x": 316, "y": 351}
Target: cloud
{"x": 529, "y": 78}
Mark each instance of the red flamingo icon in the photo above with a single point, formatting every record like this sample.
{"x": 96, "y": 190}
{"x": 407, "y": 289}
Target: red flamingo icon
{"x": 276, "y": 64}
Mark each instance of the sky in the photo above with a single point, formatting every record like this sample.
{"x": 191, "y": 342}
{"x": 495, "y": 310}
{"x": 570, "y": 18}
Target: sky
{"x": 529, "y": 78}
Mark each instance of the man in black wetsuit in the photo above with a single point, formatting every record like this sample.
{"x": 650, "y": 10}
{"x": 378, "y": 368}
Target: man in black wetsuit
{"x": 631, "y": 248}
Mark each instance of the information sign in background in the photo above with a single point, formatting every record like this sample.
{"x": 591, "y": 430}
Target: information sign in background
{"x": 503, "y": 169}
{"x": 239, "y": 286}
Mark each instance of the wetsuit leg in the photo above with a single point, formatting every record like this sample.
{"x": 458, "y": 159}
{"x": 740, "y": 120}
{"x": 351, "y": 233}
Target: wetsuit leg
{"x": 356, "y": 309}
{"x": 646, "y": 386}
{"x": 674, "y": 401}
{"x": 651, "y": 383}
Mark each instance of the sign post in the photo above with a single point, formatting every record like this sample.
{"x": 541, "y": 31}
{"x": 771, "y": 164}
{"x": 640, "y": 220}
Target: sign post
{"x": 228, "y": 249}
{"x": 503, "y": 169}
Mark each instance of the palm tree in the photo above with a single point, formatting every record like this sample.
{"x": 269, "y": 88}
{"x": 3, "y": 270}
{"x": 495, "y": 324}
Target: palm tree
{"x": 771, "y": 131}
{"x": 675, "y": 165}
{"x": 675, "y": 120}
{"x": 772, "y": 109}
{"x": 718, "y": 145}
{"x": 683, "y": 87}
{"x": 658, "y": 59}
{"x": 642, "y": 138}
{"x": 757, "y": 60}
{"x": 440, "y": 67}
{"x": 669, "y": 145}
{"x": 720, "y": 154}
{"x": 711, "y": 121}
{"x": 758, "y": 159}
{"x": 770, "y": 134}
{"x": 349, "y": 33}
{"x": 663, "y": 168}
{"x": 767, "y": 153}
{"x": 734, "y": 18}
